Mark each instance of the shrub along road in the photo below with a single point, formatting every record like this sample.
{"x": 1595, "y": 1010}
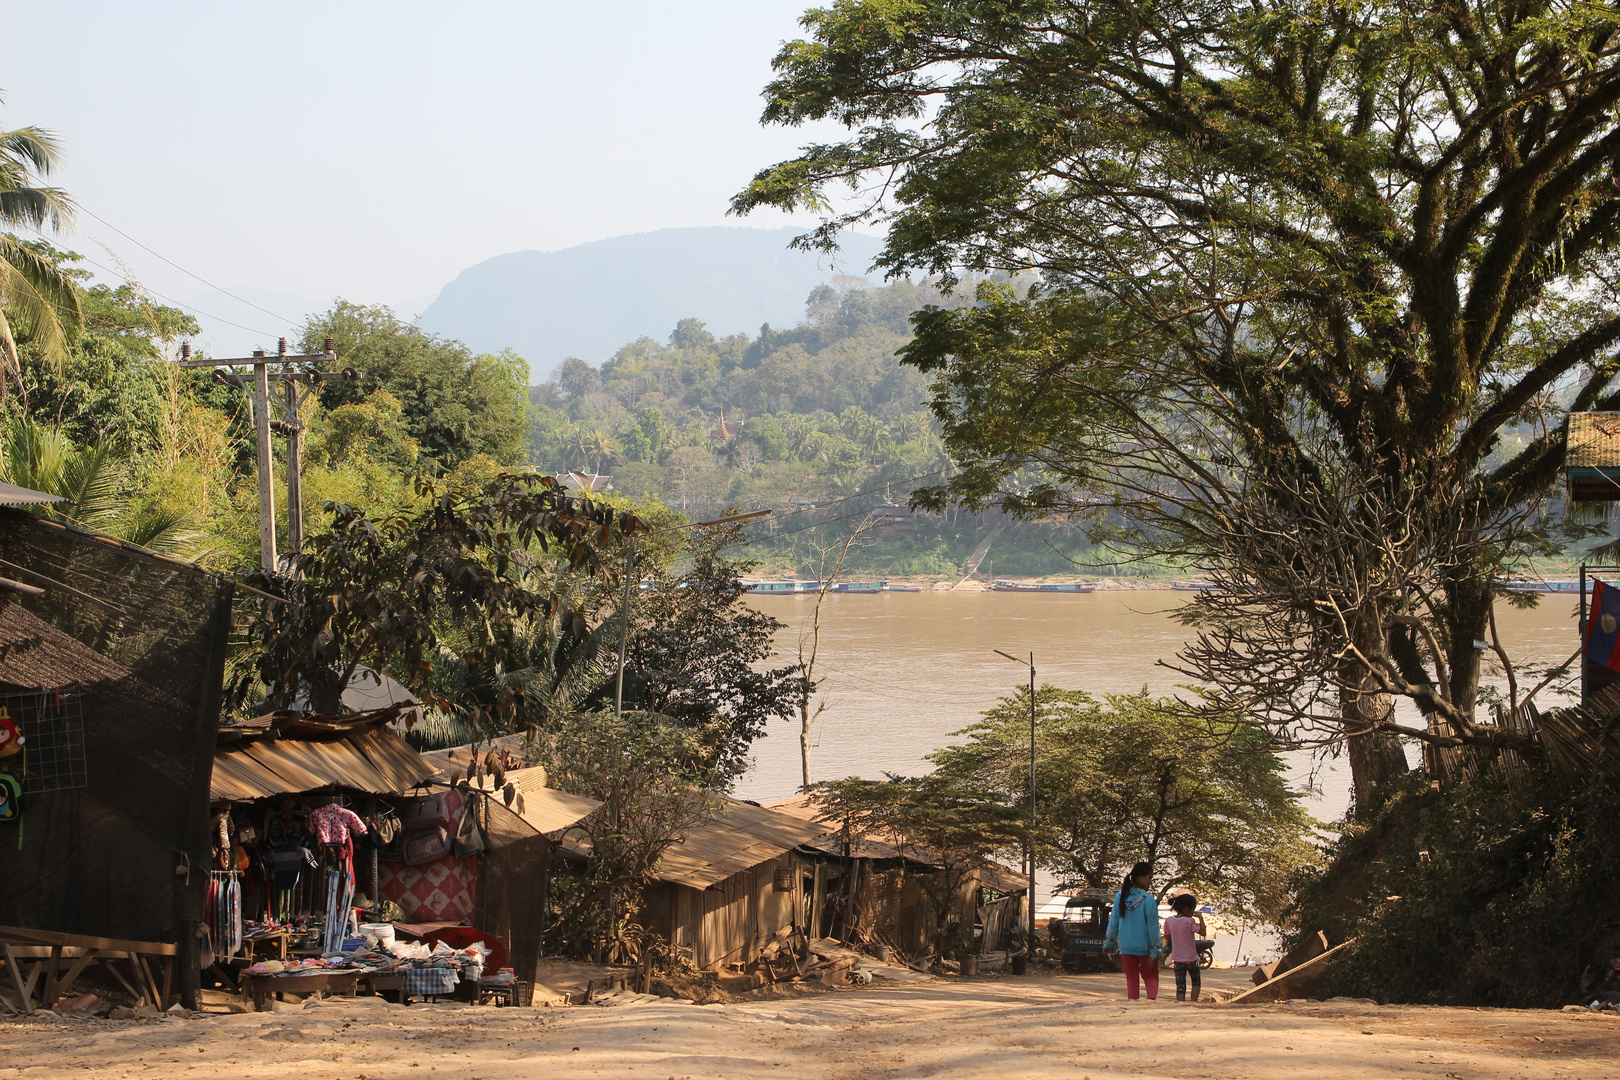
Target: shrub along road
{"x": 1059, "y": 1027}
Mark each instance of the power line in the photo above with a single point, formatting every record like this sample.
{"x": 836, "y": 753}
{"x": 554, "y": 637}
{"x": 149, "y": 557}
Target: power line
{"x": 188, "y": 273}
{"x": 130, "y": 280}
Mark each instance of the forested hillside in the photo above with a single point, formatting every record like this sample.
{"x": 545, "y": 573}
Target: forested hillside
{"x": 820, "y": 421}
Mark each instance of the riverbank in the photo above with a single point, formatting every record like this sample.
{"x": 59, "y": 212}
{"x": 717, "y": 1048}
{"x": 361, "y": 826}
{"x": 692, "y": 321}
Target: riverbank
{"x": 1038, "y": 1027}
{"x": 936, "y": 583}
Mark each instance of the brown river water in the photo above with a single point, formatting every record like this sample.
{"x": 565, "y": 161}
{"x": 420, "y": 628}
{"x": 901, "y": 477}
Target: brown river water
{"x": 902, "y": 671}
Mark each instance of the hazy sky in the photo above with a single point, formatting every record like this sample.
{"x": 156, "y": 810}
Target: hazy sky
{"x": 293, "y": 152}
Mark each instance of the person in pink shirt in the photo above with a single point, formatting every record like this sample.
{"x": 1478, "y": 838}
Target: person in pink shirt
{"x": 1182, "y": 930}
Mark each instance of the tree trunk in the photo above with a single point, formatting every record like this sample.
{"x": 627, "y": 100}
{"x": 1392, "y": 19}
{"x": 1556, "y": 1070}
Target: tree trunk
{"x": 1469, "y": 601}
{"x": 1376, "y": 757}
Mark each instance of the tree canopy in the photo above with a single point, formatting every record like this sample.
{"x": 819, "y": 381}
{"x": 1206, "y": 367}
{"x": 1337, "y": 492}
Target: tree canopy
{"x": 1313, "y": 280}
{"x": 1132, "y": 778}
{"x": 455, "y": 404}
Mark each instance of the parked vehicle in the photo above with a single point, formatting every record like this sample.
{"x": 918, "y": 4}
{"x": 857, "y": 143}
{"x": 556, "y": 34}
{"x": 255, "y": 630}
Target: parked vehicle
{"x": 1079, "y": 936}
{"x": 1206, "y": 953}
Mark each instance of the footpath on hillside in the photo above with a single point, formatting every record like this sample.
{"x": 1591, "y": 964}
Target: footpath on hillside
{"x": 1068, "y": 1027}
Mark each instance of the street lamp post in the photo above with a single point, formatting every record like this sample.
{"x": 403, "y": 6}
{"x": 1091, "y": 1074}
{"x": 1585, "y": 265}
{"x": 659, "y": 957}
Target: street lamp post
{"x": 1029, "y": 836}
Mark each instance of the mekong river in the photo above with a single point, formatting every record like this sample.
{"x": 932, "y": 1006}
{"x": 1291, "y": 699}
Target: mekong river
{"x": 902, "y": 671}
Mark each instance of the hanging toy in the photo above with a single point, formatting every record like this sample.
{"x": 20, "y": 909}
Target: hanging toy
{"x": 11, "y": 739}
{"x": 10, "y": 798}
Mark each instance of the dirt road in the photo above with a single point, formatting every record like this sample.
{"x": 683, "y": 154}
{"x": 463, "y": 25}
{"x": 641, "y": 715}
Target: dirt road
{"x": 1068, "y": 1028}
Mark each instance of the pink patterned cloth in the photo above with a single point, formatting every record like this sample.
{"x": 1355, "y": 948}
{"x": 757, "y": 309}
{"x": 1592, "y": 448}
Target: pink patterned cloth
{"x": 332, "y": 824}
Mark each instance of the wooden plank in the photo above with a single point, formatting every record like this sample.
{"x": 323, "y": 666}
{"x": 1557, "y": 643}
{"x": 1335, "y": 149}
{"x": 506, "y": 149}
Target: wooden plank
{"x": 85, "y": 958}
{"x": 224, "y": 977}
{"x": 17, "y": 981}
{"x": 33, "y": 978}
{"x": 20, "y": 935}
{"x": 142, "y": 995}
{"x": 1274, "y": 990}
{"x": 146, "y": 969}
{"x": 168, "y": 976}
{"x": 107, "y": 962}
{"x": 48, "y": 998}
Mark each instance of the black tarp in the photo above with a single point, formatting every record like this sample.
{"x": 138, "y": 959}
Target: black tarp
{"x": 131, "y": 648}
{"x": 512, "y": 889}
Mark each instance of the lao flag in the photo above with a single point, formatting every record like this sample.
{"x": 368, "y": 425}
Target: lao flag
{"x": 1603, "y": 627}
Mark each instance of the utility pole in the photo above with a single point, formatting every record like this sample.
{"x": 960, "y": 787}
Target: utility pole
{"x": 296, "y": 379}
{"x": 1029, "y": 840}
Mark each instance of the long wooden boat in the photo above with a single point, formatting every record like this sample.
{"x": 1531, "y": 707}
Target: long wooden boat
{"x": 1002, "y": 585}
{"x": 781, "y": 588}
{"x": 1192, "y": 586}
{"x": 1525, "y": 585}
{"x": 861, "y": 587}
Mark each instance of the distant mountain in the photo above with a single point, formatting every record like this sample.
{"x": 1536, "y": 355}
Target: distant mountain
{"x": 589, "y": 300}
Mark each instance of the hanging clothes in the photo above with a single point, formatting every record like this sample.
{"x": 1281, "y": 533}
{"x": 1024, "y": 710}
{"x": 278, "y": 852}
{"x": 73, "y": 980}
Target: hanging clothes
{"x": 333, "y": 824}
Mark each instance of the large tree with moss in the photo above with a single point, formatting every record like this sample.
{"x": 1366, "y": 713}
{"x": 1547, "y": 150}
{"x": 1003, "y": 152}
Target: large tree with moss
{"x": 1312, "y": 276}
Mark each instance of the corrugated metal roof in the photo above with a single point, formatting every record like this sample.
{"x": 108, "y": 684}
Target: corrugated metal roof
{"x": 546, "y": 809}
{"x": 377, "y": 762}
{"x": 460, "y": 758}
{"x": 12, "y": 495}
{"x": 740, "y": 838}
{"x": 1593, "y": 441}
{"x": 1000, "y": 878}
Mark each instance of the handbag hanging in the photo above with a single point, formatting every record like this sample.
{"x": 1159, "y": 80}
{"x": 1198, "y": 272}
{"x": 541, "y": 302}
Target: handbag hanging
{"x": 469, "y": 843}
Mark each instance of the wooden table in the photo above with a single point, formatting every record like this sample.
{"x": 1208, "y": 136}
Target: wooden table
{"x": 258, "y": 988}
{"x": 44, "y": 951}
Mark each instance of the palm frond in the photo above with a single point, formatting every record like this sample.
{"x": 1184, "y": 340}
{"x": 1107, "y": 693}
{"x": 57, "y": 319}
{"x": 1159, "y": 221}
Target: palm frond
{"x": 161, "y": 529}
{"x": 90, "y": 479}
{"x": 39, "y": 295}
{"x": 34, "y": 207}
{"x": 36, "y": 146}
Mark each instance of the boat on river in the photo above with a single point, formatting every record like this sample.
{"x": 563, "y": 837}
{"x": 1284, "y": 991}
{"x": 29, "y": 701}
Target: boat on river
{"x": 1529, "y": 585}
{"x": 781, "y": 588}
{"x": 1192, "y": 586}
{"x": 861, "y": 587}
{"x": 1003, "y": 585}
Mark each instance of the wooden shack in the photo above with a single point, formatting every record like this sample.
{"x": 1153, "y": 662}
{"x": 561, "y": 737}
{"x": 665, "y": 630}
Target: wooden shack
{"x": 866, "y": 890}
{"x": 731, "y": 886}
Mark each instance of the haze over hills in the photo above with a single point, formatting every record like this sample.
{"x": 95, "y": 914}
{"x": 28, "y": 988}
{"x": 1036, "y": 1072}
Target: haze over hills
{"x": 589, "y": 300}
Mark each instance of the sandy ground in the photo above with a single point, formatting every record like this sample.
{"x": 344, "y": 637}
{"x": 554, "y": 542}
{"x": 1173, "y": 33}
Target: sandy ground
{"x": 1073, "y": 1027}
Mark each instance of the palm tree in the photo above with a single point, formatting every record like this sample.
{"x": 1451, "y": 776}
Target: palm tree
{"x": 599, "y": 444}
{"x": 91, "y": 480}
{"x": 36, "y": 296}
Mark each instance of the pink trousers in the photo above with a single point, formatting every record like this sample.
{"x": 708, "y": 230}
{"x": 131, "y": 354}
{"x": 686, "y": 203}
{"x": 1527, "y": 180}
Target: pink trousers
{"x": 1144, "y": 967}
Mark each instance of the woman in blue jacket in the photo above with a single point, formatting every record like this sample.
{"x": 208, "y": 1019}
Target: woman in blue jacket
{"x": 1133, "y": 931}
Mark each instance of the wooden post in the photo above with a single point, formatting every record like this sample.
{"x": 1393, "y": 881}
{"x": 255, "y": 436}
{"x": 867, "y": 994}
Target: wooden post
{"x": 48, "y": 998}
{"x": 295, "y": 496}
{"x": 289, "y": 396}
{"x": 261, "y": 428}
{"x": 295, "y": 462}
{"x": 24, "y": 989}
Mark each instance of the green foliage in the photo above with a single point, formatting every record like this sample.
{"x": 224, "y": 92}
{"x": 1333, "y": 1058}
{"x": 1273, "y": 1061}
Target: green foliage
{"x": 788, "y": 391}
{"x": 700, "y": 657}
{"x": 1503, "y": 897}
{"x": 38, "y": 300}
{"x": 384, "y": 592}
{"x": 938, "y": 818}
{"x": 1305, "y": 270}
{"x": 454, "y": 404}
{"x": 653, "y": 777}
{"x": 1133, "y": 778}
